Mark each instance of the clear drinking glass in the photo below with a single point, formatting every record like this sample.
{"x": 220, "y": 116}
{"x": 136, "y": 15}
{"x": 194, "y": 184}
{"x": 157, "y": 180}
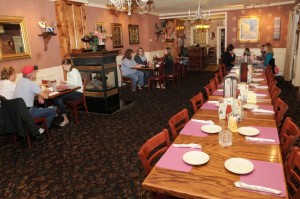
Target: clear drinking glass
{"x": 225, "y": 138}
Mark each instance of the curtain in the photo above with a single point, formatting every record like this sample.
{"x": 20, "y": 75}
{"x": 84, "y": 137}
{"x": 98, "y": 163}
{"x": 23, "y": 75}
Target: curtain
{"x": 291, "y": 45}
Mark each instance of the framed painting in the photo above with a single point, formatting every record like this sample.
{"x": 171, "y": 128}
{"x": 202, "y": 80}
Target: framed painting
{"x": 276, "y": 35}
{"x": 117, "y": 35}
{"x": 133, "y": 32}
{"x": 99, "y": 26}
{"x": 248, "y": 29}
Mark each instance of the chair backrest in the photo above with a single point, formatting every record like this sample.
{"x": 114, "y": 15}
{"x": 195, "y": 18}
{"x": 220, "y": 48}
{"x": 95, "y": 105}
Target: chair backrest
{"x": 84, "y": 80}
{"x": 288, "y": 134}
{"x": 209, "y": 88}
{"x": 280, "y": 109}
{"x": 275, "y": 93}
{"x": 197, "y": 101}
{"x": 213, "y": 83}
{"x": 292, "y": 176}
{"x": 178, "y": 121}
{"x": 161, "y": 69}
{"x": 149, "y": 152}
{"x": 218, "y": 77}
{"x": 271, "y": 84}
{"x": 158, "y": 59}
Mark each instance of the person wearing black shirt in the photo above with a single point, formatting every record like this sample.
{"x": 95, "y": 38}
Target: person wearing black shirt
{"x": 229, "y": 57}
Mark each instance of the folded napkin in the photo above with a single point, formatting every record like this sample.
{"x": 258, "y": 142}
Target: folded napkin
{"x": 258, "y": 110}
{"x": 53, "y": 93}
{"x": 219, "y": 89}
{"x": 203, "y": 121}
{"x": 255, "y": 139}
{"x": 212, "y": 101}
{"x": 261, "y": 87}
{"x": 256, "y": 188}
{"x": 258, "y": 70}
{"x": 194, "y": 146}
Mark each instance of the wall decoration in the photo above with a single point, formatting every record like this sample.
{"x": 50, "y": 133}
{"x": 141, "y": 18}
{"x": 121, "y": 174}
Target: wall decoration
{"x": 117, "y": 35}
{"x": 276, "y": 35}
{"x": 134, "y": 37}
{"x": 99, "y": 26}
{"x": 248, "y": 29}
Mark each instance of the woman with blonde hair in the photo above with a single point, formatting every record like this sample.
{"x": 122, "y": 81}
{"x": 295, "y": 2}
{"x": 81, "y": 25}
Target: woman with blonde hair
{"x": 7, "y": 82}
{"x": 269, "y": 53}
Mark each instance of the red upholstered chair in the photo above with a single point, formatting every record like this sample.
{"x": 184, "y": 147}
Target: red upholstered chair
{"x": 275, "y": 94}
{"x": 214, "y": 83}
{"x": 75, "y": 105}
{"x": 159, "y": 78}
{"x": 288, "y": 134}
{"x": 174, "y": 75}
{"x": 197, "y": 101}
{"x": 271, "y": 84}
{"x": 178, "y": 121}
{"x": 209, "y": 88}
{"x": 218, "y": 77}
{"x": 292, "y": 176}
{"x": 222, "y": 68}
{"x": 280, "y": 109}
{"x": 147, "y": 154}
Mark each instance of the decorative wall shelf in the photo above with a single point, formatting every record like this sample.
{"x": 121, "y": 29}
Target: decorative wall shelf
{"x": 46, "y": 37}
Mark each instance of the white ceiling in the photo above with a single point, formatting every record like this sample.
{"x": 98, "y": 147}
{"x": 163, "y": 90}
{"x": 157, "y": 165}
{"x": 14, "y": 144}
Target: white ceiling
{"x": 178, "y": 7}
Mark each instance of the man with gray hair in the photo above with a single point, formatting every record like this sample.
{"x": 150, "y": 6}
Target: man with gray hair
{"x": 26, "y": 89}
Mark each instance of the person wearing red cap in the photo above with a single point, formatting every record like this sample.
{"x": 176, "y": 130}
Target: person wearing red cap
{"x": 26, "y": 89}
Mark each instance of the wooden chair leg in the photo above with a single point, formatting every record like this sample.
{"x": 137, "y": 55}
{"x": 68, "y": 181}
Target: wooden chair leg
{"x": 76, "y": 115}
{"x": 28, "y": 141}
{"x": 14, "y": 138}
{"x": 86, "y": 110}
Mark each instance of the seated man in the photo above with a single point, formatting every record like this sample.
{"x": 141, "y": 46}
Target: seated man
{"x": 26, "y": 89}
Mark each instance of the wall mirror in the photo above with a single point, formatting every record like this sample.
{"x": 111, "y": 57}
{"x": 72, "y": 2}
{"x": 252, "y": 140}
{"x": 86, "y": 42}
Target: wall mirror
{"x": 14, "y": 42}
{"x": 212, "y": 35}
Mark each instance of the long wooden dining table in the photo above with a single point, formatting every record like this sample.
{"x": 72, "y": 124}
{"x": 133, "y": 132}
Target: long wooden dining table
{"x": 212, "y": 179}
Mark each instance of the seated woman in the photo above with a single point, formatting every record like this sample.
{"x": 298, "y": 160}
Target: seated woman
{"x": 127, "y": 68}
{"x": 140, "y": 58}
{"x": 73, "y": 79}
{"x": 247, "y": 55}
{"x": 269, "y": 53}
{"x": 7, "y": 82}
{"x": 169, "y": 61}
{"x": 229, "y": 57}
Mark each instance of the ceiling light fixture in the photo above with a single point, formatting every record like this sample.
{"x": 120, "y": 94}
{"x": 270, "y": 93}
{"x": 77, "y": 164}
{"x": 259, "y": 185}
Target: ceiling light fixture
{"x": 199, "y": 14}
{"x": 123, "y": 4}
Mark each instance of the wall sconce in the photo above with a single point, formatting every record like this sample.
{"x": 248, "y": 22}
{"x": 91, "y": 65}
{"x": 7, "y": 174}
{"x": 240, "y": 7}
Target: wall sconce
{"x": 150, "y": 40}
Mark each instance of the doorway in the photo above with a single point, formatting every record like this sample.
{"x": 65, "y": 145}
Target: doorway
{"x": 220, "y": 41}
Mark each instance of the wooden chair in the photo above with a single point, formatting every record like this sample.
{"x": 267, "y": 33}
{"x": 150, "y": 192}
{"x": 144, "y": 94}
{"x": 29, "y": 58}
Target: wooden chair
{"x": 157, "y": 78}
{"x": 280, "y": 109}
{"x": 125, "y": 80}
{"x": 209, "y": 88}
{"x": 197, "y": 101}
{"x": 288, "y": 134}
{"x": 214, "y": 83}
{"x": 271, "y": 84}
{"x": 148, "y": 153}
{"x": 75, "y": 105}
{"x": 292, "y": 176}
{"x": 275, "y": 94}
{"x": 178, "y": 121}
{"x": 222, "y": 68}
{"x": 174, "y": 75}
{"x": 218, "y": 77}
{"x": 158, "y": 59}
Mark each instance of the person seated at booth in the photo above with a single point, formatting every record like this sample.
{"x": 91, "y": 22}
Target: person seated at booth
{"x": 7, "y": 82}
{"x": 228, "y": 57}
{"x": 140, "y": 58}
{"x": 127, "y": 67}
{"x": 26, "y": 89}
{"x": 269, "y": 53}
{"x": 73, "y": 79}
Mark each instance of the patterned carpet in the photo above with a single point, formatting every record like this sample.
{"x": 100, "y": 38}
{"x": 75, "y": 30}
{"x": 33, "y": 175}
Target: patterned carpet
{"x": 98, "y": 158}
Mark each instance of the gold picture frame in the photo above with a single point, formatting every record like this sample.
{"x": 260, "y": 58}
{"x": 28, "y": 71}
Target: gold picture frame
{"x": 99, "y": 25}
{"x": 248, "y": 29}
{"x": 134, "y": 35}
{"x": 13, "y": 45}
{"x": 117, "y": 35}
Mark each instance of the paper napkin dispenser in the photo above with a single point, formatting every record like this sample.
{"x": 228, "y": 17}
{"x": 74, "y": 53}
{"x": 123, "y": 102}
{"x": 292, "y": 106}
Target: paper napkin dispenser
{"x": 230, "y": 86}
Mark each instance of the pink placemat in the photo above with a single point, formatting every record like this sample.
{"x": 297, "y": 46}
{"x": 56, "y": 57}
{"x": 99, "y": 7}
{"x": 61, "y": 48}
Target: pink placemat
{"x": 209, "y": 106}
{"x": 267, "y": 174}
{"x": 220, "y": 86}
{"x": 172, "y": 159}
{"x": 193, "y": 128}
{"x": 266, "y": 107}
{"x": 216, "y": 92}
{"x": 268, "y": 133}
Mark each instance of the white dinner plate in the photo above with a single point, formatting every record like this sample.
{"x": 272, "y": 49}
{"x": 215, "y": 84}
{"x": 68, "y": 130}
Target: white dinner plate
{"x": 195, "y": 157}
{"x": 257, "y": 79}
{"x": 211, "y": 128}
{"x": 239, "y": 165}
{"x": 250, "y": 106}
{"x": 248, "y": 131}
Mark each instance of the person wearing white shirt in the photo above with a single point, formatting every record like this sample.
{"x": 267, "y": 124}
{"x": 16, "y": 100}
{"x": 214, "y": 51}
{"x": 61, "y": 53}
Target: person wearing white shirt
{"x": 7, "y": 82}
{"x": 73, "y": 79}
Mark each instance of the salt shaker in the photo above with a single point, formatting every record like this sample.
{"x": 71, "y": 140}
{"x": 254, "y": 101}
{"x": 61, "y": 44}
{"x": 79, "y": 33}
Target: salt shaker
{"x": 225, "y": 138}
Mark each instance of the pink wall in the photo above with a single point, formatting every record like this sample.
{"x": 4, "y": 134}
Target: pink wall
{"x": 33, "y": 10}
{"x": 146, "y": 24}
{"x": 266, "y": 25}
